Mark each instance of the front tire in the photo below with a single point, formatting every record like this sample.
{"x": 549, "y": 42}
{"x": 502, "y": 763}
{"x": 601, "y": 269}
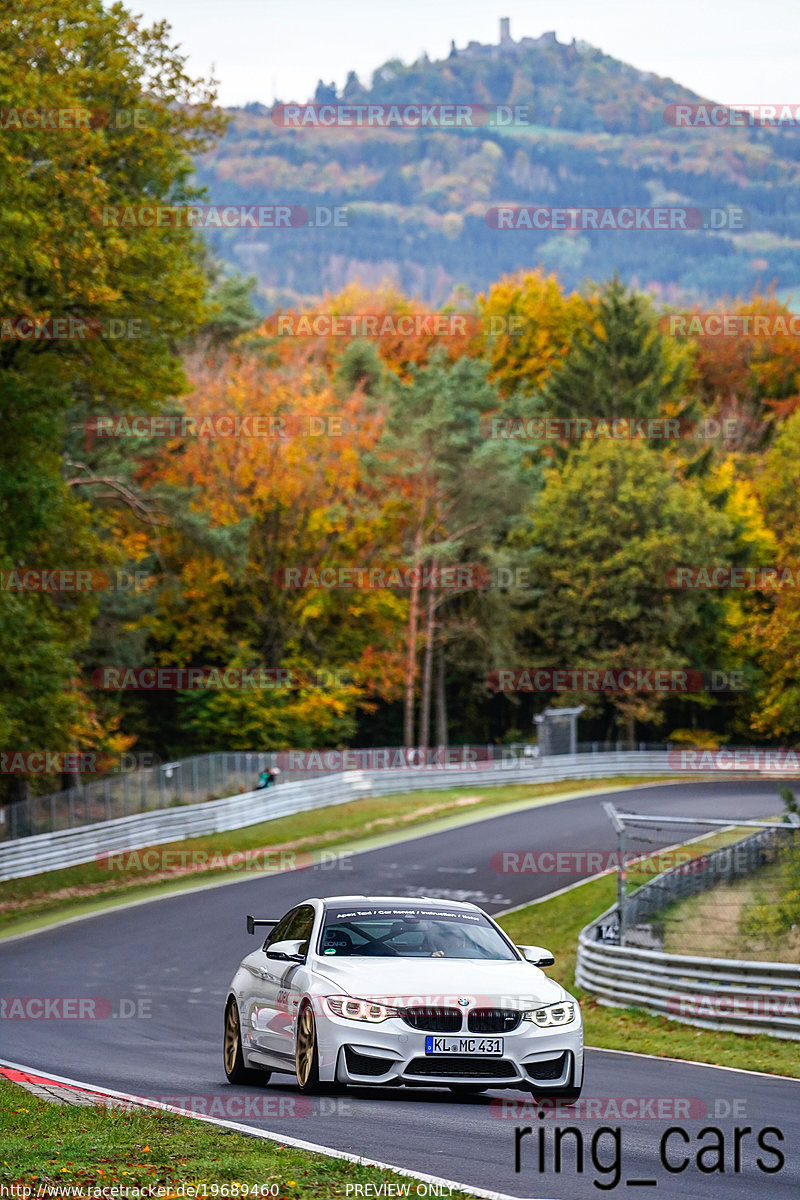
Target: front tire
{"x": 306, "y": 1053}
{"x": 232, "y": 1056}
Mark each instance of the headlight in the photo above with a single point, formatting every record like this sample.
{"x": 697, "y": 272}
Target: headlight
{"x": 551, "y": 1014}
{"x": 359, "y": 1010}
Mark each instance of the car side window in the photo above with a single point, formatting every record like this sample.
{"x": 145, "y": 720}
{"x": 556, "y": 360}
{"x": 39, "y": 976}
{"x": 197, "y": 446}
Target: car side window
{"x": 279, "y": 932}
{"x": 301, "y": 926}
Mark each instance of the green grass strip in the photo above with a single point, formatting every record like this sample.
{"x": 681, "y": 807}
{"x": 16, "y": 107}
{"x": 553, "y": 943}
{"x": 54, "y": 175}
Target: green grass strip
{"x": 95, "y": 1149}
{"x": 556, "y": 924}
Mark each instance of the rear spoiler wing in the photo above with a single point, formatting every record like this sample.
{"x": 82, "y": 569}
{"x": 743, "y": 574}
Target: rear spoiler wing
{"x": 252, "y": 922}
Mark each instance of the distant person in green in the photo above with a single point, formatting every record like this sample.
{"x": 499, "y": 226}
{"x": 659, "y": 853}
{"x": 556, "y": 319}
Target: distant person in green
{"x": 269, "y": 777}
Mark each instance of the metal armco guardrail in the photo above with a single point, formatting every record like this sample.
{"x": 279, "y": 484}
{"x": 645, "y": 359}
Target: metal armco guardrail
{"x": 207, "y": 777}
{"x": 69, "y": 847}
{"x": 714, "y": 993}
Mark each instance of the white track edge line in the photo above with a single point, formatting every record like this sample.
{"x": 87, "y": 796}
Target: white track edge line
{"x": 264, "y": 1134}
{"x": 691, "y": 1062}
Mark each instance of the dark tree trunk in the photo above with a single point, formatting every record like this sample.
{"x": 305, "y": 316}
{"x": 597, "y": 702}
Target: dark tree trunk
{"x": 427, "y": 669}
{"x": 440, "y": 699}
{"x": 18, "y": 789}
{"x": 411, "y": 652}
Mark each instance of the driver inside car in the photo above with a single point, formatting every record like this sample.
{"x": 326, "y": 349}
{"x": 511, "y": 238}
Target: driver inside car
{"x": 452, "y": 942}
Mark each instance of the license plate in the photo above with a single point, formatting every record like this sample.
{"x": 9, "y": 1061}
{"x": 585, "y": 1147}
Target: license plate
{"x": 463, "y": 1045}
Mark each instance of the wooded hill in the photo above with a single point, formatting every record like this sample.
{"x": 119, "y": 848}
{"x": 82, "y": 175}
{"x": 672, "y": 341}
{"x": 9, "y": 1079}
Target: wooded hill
{"x": 597, "y": 136}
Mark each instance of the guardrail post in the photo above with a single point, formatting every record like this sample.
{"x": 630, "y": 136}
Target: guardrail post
{"x": 619, "y": 826}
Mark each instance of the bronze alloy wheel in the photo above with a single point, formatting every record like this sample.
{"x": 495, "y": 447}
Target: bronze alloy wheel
{"x": 306, "y": 1059}
{"x": 232, "y": 1057}
{"x": 231, "y": 1044}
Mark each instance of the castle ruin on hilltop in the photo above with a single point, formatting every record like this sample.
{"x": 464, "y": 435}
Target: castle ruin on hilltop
{"x": 507, "y": 45}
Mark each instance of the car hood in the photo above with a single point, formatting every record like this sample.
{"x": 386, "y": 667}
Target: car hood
{"x": 441, "y": 982}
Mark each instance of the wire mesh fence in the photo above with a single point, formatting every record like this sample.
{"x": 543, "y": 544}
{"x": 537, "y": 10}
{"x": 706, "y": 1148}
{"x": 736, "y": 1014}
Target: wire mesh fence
{"x": 740, "y": 901}
{"x": 213, "y": 776}
{"x": 201, "y": 778}
{"x": 187, "y": 781}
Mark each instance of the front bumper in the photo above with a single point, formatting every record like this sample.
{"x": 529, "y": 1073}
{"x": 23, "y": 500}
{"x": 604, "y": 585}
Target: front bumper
{"x": 540, "y": 1060}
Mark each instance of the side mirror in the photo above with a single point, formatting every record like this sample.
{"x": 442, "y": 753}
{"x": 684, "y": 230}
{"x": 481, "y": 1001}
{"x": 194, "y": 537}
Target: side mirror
{"x": 288, "y": 951}
{"x": 537, "y": 955}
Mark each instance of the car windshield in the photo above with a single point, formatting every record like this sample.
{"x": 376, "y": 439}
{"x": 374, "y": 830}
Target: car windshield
{"x": 411, "y": 933}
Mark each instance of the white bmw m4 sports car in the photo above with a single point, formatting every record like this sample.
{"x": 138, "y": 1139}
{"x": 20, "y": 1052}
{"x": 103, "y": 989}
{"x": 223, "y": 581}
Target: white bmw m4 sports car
{"x": 387, "y": 990}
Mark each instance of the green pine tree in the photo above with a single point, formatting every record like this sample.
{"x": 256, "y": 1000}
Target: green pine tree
{"x": 620, "y": 365}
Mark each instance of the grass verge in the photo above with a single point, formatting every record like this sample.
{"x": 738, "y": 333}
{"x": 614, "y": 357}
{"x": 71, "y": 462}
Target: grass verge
{"x": 741, "y": 919}
{"x": 72, "y": 891}
{"x": 556, "y": 924}
{"x": 94, "y": 1149}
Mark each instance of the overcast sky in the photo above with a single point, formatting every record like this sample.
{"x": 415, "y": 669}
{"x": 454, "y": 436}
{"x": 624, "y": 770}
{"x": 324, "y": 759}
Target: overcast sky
{"x": 734, "y": 52}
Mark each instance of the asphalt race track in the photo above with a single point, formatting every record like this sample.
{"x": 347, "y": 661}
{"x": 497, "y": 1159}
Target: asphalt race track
{"x": 168, "y": 962}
